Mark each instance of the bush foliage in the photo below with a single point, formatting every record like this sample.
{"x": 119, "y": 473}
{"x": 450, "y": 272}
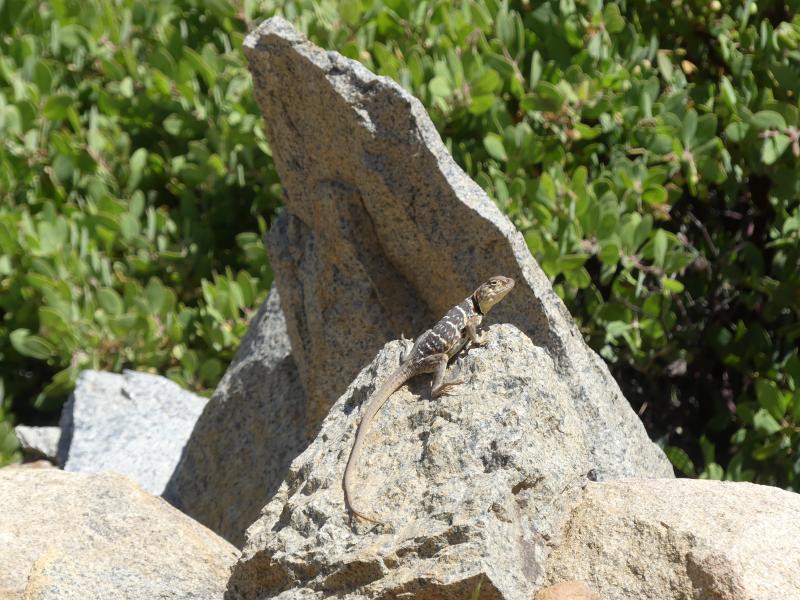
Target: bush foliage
{"x": 648, "y": 151}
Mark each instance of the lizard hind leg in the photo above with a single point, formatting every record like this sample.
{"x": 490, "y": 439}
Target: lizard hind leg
{"x": 438, "y": 364}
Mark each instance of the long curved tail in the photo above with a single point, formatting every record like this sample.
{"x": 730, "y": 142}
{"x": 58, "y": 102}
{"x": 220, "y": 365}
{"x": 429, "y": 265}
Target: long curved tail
{"x": 373, "y": 405}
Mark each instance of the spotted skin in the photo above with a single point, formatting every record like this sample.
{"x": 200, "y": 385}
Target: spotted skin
{"x": 430, "y": 354}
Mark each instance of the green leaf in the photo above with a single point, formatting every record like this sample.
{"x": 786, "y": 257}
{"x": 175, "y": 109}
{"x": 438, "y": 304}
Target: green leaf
{"x": 350, "y": 11}
{"x": 57, "y": 107}
{"x": 671, "y": 285}
{"x": 494, "y": 146}
{"x": 689, "y": 127}
{"x": 110, "y": 301}
{"x": 773, "y": 148}
{"x": 486, "y": 83}
{"x": 613, "y": 18}
{"x": 655, "y": 195}
{"x": 156, "y": 296}
{"x": 680, "y": 460}
{"x": 727, "y": 92}
{"x": 547, "y": 98}
{"x": 768, "y": 119}
{"x": 210, "y": 371}
{"x": 707, "y": 447}
{"x": 737, "y": 131}
{"x": 659, "y": 247}
{"x": 765, "y": 422}
{"x": 609, "y": 253}
{"x": 31, "y": 345}
{"x": 137, "y": 163}
{"x": 569, "y": 262}
{"x": 770, "y": 398}
{"x": 480, "y": 104}
{"x": 664, "y": 66}
{"x": 439, "y": 86}
{"x": 714, "y": 472}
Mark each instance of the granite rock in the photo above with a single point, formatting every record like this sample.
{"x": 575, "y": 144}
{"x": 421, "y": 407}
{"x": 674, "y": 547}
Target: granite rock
{"x": 79, "y": 535}
{"x": 681, "y": 539}
{"x": 383, "y": 233}
{"x": 38, "y": 443}
{"x": 249, "y": 432}
{"x": 135, "y": 424}
{"x": 472, "y": 487}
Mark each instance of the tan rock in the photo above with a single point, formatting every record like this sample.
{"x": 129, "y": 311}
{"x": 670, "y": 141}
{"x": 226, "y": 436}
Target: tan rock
{"x": 77, "y": 535}
{"x": 683, "y": 539}
{"x": 383, "y": 233}
{"x": 567, "y": 590}
{"x": 472, "y": 487}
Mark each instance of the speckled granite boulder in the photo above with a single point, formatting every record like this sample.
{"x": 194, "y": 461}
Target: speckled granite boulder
{"x": 251, "y": 429}
{"x": 681, "y": 539}
{"x": 75, "y": 536}
{"x": 473, "y": 487}
{"x": 383, "y": 233}
{"x": 38, "y": 443}
{"x": 135, "y": 424}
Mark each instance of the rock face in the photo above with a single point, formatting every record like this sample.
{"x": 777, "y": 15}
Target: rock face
{"x": 38, "y": 442}
{"x": 80, "y": 535}
{"x": 135, "y": 424}
{"x": 664, "y": 539}
{"x": 250, "y": 431}
{"x": 471, "y": 486}
{"x": 383, "y": 233}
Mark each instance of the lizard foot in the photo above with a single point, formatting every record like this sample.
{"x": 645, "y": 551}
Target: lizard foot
{"x": 482, "y": 340}
{"x": 446, "y": 388}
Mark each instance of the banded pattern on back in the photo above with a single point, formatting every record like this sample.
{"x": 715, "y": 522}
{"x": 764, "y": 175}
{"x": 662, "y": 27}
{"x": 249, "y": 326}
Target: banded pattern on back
{"x": 448, "y": 336}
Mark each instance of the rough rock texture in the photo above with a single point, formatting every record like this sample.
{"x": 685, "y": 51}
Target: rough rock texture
{"x": 38, "y": 442}
{"x": 249, "y": 432}
{"x": 383, "y": 233}
{"x": 471, "y": 486}
{"x": 135, "y": 424}
{"x": 80, "y": 535}
{"x": 683, "y": 539}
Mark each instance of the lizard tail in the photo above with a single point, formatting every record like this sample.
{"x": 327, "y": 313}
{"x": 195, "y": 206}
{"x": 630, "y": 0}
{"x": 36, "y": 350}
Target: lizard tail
{"x": 373, "y": 405}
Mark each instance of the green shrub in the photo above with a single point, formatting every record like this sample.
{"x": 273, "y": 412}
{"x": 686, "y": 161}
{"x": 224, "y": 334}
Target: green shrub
{"x": 648, "y": 152}
{"x": 135, "y": 187}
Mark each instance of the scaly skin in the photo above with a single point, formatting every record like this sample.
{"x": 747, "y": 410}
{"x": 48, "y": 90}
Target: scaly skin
{"x": 430, "y": 354}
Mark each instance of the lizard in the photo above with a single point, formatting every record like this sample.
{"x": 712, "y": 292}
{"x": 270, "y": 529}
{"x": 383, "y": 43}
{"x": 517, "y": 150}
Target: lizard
{"x": 430, "y": 354}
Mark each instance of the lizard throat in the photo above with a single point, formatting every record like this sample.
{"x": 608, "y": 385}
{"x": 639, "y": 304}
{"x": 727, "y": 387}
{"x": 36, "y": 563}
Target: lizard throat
{"x": 476, "y": 305}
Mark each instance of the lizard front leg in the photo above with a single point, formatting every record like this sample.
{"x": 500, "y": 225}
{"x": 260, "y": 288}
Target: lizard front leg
{"x": 476, "y": 338}
{"x": 409, "y": 352}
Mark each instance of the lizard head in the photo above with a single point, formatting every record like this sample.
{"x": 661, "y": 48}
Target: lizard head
{"x": 491, "y": 292}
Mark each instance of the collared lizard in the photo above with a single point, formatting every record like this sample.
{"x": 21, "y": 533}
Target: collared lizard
{"x": 430, "y": 354}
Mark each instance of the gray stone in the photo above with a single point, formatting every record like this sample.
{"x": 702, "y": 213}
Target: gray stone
{"x": 78, "y": 535}
{"x": 680, "y": 539}
{"x": 135, "y": 424}
{"x": 471, "y": 486}
{"x": 251, "y": 429}
{"x": 383, "y": 233}
{"x": 38, "y": 442}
